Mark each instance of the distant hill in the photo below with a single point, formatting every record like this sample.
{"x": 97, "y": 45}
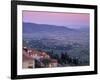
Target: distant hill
{"x": 33, "y": 30}
{"x": 40, "y": 31}
{"x": 33, "y": 27}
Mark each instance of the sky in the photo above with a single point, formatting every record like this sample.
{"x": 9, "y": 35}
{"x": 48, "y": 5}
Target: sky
{"x": 72, "y": 20}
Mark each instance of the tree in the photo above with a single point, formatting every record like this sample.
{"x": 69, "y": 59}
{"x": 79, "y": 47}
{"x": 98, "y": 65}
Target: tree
{"x": 46, "y": 62}
{"x": 63, "y": 58}
{"x": 75, "y": 61}
{"x": 37, "y": 64}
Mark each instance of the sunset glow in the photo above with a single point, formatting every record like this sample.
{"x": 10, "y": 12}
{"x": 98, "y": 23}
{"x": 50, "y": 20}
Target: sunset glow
{"x": 54, "y": 18}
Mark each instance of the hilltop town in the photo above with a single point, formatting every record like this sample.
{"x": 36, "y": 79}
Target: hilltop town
{"x": 37, "y": 59}
{"x": 33, "y": 58}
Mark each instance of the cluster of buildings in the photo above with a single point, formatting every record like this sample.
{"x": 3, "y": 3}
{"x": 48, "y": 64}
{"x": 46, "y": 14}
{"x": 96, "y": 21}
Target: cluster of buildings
{"x": 37, "y": 59}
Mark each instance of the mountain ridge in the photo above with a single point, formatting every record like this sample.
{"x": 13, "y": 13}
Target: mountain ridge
{"x": 33, "y": 27}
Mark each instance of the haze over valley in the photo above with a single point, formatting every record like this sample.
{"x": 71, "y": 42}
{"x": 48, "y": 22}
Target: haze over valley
{"x": 58, "y": 41}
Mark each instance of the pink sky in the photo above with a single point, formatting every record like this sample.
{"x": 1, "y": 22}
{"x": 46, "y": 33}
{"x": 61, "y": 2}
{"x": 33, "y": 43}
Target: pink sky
{"x": 63, "y": 19}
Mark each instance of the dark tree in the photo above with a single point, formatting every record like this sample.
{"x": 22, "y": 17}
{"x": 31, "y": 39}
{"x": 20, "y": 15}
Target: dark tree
{"x": 37, "y": 64}
{"x": 75, "y": 61}
{"x": 63, "y": 58}
{"x": 46, "y": 62}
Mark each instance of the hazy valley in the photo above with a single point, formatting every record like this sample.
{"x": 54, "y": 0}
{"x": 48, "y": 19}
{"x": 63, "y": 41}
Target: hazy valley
{"x": 58, "y": 41}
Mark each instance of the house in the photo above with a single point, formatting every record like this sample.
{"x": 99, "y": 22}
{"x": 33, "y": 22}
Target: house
{"x": 28, "y": 61}
{"x": 54, "y": 63}
{"x": 28, "y": 64}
